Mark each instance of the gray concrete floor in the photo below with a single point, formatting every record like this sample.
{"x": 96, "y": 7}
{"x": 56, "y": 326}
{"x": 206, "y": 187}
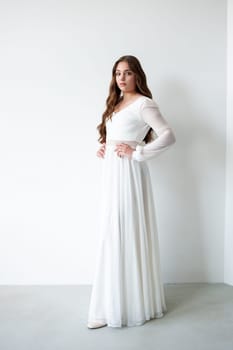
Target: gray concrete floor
{"x": 200, "y": 316}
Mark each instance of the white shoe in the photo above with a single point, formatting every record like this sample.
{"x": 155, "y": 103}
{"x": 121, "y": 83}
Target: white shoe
{"x": 96, "y": 324}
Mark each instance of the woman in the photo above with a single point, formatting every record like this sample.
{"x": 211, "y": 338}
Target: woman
{"x": 127, "y": 288}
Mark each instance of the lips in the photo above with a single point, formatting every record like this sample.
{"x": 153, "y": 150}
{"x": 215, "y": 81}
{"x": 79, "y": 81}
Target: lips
{"x": 122, "y": 84}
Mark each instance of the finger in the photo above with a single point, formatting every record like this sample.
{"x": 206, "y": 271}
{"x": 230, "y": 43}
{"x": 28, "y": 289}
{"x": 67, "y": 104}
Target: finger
{"x": 101, "y": 152}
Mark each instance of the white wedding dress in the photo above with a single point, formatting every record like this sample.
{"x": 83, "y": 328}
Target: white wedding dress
{"x": 127, "y": 288}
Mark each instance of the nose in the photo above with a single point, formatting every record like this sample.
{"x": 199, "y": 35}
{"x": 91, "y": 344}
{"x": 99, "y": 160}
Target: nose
{"x": 122, "y": 77}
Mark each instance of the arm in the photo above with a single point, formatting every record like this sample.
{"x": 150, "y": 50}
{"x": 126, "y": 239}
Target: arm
{"x": 151, "y": 115}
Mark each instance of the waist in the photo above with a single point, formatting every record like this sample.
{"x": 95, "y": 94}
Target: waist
{"x": 130, "y": 143}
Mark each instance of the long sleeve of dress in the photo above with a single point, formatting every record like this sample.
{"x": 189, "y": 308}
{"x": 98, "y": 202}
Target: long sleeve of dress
{"x": 151, "y": 115}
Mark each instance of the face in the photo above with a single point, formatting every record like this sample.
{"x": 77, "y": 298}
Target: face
{"x": 125, "y": 78}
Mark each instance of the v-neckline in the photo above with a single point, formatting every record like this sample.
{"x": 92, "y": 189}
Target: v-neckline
{"x": 114, "y": 113}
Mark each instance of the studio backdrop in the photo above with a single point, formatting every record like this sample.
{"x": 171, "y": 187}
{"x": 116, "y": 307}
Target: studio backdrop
{"x": 56, "y": 65}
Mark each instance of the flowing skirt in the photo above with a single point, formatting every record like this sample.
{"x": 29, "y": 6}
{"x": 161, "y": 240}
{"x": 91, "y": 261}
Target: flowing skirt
{"x": 127, "y": 288}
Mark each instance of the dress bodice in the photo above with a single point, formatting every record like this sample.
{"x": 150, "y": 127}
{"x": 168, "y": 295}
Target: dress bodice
{"x": 127, "y": 124}
{"x": 133, "y": 122}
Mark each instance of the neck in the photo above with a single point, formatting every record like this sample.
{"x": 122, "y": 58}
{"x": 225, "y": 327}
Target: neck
{"x": 127, "y": 96}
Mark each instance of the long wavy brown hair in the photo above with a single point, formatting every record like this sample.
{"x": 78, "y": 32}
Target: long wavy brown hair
{"x": 114, "y": 96}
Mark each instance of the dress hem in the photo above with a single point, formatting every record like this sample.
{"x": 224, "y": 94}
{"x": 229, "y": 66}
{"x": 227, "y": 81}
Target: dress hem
{"x": 131, "y": 324}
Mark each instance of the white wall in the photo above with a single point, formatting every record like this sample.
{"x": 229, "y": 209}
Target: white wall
{"x": 228, "y": 271}
{"x": 56, "y": 61}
